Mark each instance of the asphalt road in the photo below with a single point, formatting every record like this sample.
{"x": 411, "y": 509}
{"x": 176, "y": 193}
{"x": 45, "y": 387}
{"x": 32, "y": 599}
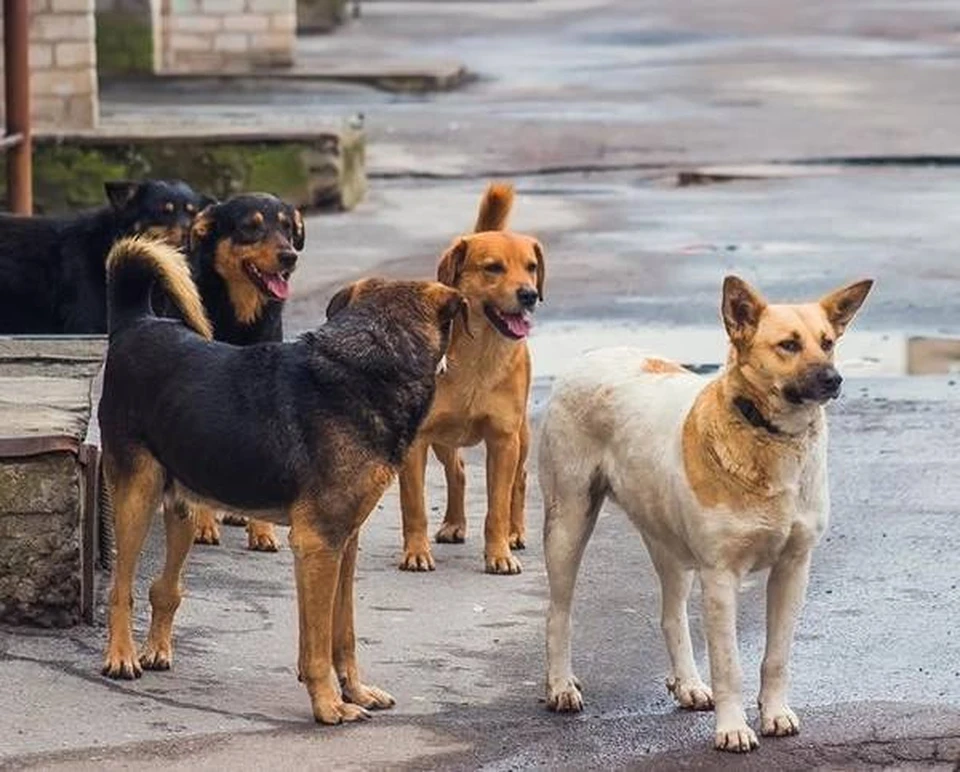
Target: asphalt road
{"x": 620, "y": 95}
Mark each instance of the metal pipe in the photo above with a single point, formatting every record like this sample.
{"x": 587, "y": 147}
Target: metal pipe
{"x": 16, "y": 59}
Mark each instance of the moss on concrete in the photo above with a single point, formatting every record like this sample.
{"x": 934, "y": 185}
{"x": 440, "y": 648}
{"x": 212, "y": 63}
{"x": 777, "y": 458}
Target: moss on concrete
{"x": 124, "y": 43}
{"x": 323, "y": 173}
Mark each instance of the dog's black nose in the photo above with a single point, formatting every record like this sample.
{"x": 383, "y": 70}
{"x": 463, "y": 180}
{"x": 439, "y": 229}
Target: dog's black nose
{"x": 829, "y": 380}
{"x": 527, "y": 296}
{"x": 287, "y": 259}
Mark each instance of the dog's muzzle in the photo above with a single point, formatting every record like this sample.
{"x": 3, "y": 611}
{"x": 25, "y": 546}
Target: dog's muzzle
{"x": 819, "y": 385}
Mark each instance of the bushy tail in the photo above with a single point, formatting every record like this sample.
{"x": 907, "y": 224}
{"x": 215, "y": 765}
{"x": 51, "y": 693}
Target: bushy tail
{"x": 495, "y": 207}
{"x": 133, "y": 265}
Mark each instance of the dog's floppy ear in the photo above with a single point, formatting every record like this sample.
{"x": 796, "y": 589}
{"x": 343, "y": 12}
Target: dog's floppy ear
{"x": 202, "y": 227}
{"x": 541, "y": 267}
{"x": 299, "y": 232}
{"x": 842, "y": 305}
{"x": 120, "y": 192}
{"x": 451, "y": 264}
{"x": 741, "y": 309}
{"x": 453, "y": 304}
{"x": 341, "y": 300}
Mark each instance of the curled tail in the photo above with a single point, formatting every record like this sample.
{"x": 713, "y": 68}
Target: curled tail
{"x": 495, "y": 207}
{"x": 133, "y": 265}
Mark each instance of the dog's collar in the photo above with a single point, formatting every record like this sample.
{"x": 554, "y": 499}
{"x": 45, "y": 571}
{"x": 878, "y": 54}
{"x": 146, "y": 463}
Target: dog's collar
{"x": 752, "y": 415}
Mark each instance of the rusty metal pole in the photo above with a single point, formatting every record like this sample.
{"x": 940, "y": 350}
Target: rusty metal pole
{"x": 16, "y": 60}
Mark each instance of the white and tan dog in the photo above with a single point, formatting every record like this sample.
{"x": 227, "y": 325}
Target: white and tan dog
{"x": 721, "y": 477}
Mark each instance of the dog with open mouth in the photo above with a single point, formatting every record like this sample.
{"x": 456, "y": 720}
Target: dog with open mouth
{"x": 721, "y": 476}
{"x": 482, "y": 396}
{"x": 242, "y": 254}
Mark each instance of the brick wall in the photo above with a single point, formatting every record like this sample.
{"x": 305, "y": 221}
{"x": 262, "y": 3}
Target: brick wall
{"x": 63, "y": 77}
{"x": 210, "y": 36}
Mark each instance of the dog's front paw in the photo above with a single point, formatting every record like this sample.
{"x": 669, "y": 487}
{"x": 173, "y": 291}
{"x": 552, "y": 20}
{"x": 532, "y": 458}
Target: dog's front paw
{"x": 369, "y": 697}
{"x": 121, "y": 661}
{"x": 518, "y": 540}
{"x": 336, "y": 711}
{"x": 157, "y": 655}
{"x": 779, "y": 721}
{"x": 207, "y": 532}
{"x": 735, "y": 738}
{"x": 691, "y": 694}
{"x": 452, "y": 533}
{"x": 565, "y": 696}
{"x": 502, "y": 564}
{"x": 417, "y": 558}
{"x": 232, "y": 518}
{"x": 262, "y": 537}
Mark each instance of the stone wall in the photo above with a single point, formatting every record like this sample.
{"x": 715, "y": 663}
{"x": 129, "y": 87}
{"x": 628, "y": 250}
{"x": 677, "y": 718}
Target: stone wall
{"x": 63, "y": 61}
{"x": 214, "y": 36}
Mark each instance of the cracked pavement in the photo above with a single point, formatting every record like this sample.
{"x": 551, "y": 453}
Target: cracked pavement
{"x": 639, "y": 88}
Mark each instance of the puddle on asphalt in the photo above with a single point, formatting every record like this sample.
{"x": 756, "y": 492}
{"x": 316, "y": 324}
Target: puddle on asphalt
{"x": 860, "y": 354}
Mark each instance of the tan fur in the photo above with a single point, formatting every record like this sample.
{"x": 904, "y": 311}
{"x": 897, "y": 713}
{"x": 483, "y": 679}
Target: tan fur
{"x": 664, "y": 366}
{"x": 171, "y": 267}
{"x": 482, "y": 397}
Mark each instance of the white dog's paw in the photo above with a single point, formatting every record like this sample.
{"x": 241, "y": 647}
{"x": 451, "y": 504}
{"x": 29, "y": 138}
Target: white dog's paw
{"x": 565, "y": 696}
{"x": 735, "y": 738}
{"x": 691, "y": 693}
{"x": 778, "y": 722}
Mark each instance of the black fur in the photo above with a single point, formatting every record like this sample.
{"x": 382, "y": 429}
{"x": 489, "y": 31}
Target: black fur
{"x": 231, "y": 220}
{"x": 52, "y": 275}
{"x": 255, "y": 426}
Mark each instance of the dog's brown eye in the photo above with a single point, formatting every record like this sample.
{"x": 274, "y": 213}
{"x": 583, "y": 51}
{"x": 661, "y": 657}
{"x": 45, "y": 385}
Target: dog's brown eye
{"x": 494, "y": 268}
{"x": 531, "y": 267}
{"x": 826, "y": 344}
{"x": 790, "y": 345}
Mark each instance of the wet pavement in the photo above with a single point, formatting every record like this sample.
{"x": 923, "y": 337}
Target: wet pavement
{"x": 603, "y": 104}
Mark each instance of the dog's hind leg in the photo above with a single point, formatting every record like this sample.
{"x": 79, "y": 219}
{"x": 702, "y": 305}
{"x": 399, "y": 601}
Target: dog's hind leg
{"x": 416, "y": 545}
{"x": 570, "y": 514}
{"x": 684, "y": 683}
{"x": 135, "y": 489}
{"x": 786, "y": 588}
{"x": 453, "y": 530}
{"x": 518, "y": 499}
{"x": 344, "y": 639}
{"x": 166, "y": 592}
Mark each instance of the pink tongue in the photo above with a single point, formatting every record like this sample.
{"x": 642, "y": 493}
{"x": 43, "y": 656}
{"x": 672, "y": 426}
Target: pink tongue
{"x": 277, "y": 285}
{"x": 518, "y": 324}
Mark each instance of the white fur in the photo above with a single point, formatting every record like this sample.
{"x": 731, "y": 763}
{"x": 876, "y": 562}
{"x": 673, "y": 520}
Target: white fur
{"x": 612, "y": 425}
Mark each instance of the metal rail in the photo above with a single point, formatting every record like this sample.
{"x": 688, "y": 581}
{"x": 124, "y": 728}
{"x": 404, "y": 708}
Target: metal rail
{"x": 16, "y": 140}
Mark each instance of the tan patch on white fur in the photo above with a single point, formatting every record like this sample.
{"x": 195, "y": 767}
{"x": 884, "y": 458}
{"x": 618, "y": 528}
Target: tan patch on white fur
{"x": 661, "y": 366}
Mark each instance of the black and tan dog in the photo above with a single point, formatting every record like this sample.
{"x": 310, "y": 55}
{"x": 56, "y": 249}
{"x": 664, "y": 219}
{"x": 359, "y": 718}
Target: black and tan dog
{"x": 308, "y": 433}
{"x": 52, "y": 276}
{"x": 242, "y": 253}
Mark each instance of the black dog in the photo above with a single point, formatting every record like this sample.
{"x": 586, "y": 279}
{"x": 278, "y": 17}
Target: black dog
{"x": 242, "y": 252}
{"x": 52, "y": 275}
{"x": 309, "y": 433}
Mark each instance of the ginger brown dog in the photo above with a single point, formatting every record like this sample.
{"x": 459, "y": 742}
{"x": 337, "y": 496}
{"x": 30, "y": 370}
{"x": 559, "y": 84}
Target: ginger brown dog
{"x": 482, "y": 396}
{"x": 307, "y": 433}
{"x": 721, "y": 477}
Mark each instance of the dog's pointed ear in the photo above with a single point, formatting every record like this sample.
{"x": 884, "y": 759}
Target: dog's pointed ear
{"x": 201, "y": 228}
{"x": 299, "y": 231}
{"x": 341, "y": 300}
{"x": 541, "y": 267}
{"x": 842, "y": 305}
{"x": 451, "y": 264}
{"x": 741, "y": 309}
{"x": 120, "y": 192}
